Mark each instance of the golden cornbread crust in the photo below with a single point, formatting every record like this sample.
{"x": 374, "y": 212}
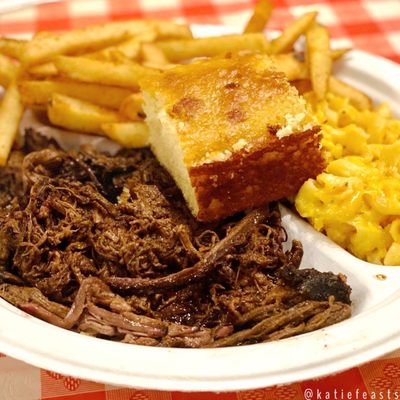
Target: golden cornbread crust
{"x": 219, "y": 103}
{"x": 232, "y": 132}
{"x": 247, "y": 180}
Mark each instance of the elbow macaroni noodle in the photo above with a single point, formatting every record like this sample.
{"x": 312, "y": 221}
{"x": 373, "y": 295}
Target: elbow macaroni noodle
{"x": 356, "y": 200}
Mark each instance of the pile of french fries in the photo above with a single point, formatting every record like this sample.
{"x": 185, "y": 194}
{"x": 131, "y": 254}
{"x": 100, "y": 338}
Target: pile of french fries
{"x": 88, "y": 80}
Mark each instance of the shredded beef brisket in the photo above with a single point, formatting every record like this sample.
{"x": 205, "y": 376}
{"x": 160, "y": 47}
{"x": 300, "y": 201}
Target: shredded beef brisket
{"x": 106, "y": 246}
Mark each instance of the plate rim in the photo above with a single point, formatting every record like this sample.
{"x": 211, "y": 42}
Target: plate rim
{"x": 211, "y": 377}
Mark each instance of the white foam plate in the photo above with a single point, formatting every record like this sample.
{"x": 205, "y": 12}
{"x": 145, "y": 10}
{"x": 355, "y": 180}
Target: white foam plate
{"x": 372, "y": 331}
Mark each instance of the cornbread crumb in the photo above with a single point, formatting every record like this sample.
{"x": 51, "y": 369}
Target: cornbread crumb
{"x": 239, "y": 145}
{"x": 293, "y": 124}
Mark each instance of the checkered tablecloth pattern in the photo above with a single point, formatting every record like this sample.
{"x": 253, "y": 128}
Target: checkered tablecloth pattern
{"x": 379, "y": 379}
{"x": 372, "y": 25}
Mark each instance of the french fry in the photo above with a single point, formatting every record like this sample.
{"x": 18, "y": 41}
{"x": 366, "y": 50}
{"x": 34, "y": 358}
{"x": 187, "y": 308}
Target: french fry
{"x": 261, "y": 15}
{"x": 178, "y": 50}
{"x": 153, "y": 54}
{"x": 339, "y": 53}
{"x": 42, "y": 34}
{"x": 8, "y": 70}
{"x": 46, "y": 46}
{"x": 11, "y": 110}
{"x": 319, "y": 59}
{"x": 161, "y": 67}
{"x": 14, "y": 48}
{"x": 284, "y": 42}
{"x": 102, "y": 72}
{"x": 78, "y": 115}
{"x": 128, "y": 134}
{"x": 120, "y": 59}
{"x": 296, "y": 69}
{"x": 357, "y": 98}
{"x": 171, "y": 30}
{"x": 293, "y": 68}
{"x": 335, "y": 54}
{"x": 43, "y": 71}
{"x": 131, "y": 107}
{"x": 36, "y": 94}
{"x": 111, "y": 54}
{"x": 129, "y": 48}
{"x": 42, "y": 48}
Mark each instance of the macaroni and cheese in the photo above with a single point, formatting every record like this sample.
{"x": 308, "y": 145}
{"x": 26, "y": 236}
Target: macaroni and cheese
{"x": 356, "y": 200}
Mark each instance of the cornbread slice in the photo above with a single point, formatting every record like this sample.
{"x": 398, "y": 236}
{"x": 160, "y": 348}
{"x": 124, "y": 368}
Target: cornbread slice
{"x": 232, "y": 132}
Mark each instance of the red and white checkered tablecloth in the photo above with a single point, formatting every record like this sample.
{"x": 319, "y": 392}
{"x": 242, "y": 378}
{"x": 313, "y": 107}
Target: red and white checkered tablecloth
{"x": 372, "y": 25}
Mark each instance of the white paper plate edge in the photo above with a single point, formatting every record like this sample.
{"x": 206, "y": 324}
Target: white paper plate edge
{"x": 307, "y": 356}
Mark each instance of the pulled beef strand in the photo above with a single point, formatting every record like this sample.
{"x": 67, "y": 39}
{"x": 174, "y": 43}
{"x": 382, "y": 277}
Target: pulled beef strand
{"x": 106, "y": 246}
{"x": 205, "y": 266}
{"x": 293, "y": 315}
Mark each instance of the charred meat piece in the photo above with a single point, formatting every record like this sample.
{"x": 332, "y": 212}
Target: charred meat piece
{"x": 316, "y": 285}
{"x": 106, "y": 246}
